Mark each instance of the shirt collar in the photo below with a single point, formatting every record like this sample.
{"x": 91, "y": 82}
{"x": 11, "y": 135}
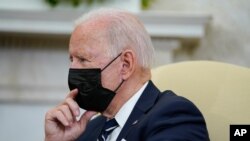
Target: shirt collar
{"x": 123, "y": 114}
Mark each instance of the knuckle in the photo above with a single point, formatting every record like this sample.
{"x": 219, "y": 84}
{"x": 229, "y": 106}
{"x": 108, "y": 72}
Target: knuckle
{"x": 64, "y": 107}
{"x": 50, "y": 113}
{"x": 58, "y": 112}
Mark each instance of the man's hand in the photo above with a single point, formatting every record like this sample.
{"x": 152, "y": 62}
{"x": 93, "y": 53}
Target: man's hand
{"x": 61, "y": 123}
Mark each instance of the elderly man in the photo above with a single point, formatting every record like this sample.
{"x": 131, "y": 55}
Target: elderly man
{"x": 111, "y": 55}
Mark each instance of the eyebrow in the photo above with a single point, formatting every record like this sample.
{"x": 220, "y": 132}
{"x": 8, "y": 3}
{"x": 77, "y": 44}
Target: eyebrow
{"x": 83, "y": 55}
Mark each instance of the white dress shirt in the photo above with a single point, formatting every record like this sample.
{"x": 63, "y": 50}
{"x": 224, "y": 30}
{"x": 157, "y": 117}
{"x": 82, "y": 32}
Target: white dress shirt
{"x": 123, "y": 114}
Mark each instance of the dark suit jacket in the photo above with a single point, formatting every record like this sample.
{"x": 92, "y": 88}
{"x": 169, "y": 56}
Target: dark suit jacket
{"x": 157, "y": 117}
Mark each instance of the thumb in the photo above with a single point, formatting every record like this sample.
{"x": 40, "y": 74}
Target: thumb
{"x": 85, "y": 118}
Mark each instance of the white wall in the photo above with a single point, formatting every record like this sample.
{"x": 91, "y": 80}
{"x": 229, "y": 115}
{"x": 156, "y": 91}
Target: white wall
{"x": 228, "y": 35}
{"x": 22, "y": 122}
{"x": 32, "y": 81}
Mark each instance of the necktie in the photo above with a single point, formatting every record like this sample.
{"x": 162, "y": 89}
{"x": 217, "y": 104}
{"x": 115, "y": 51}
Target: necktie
{"x": 109, "y": 126}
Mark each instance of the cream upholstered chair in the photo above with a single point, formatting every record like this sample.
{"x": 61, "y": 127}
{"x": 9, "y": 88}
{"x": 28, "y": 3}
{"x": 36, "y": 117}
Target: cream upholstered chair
{"x": 221, "y": 92}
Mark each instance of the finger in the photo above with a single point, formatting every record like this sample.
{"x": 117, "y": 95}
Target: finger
{"x": 75, "y": 109}
{"x": 61, "y": 118}
{"x": 72, "y": 94}
{"x": 67, "y": 113}
{"x": 85, "y": 118}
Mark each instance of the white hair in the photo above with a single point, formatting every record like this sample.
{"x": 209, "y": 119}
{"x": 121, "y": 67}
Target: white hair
{"x": 124, "y": 31}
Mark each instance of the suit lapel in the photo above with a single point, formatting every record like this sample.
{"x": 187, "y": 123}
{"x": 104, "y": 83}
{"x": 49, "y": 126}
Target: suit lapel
{"x": 94, "y": 129}
{"x": 145, "y": 102}
{"x": 97, "y": 131}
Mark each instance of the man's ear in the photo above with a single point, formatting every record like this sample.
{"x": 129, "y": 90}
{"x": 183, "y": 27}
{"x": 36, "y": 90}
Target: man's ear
{"x": 128, "y": 66}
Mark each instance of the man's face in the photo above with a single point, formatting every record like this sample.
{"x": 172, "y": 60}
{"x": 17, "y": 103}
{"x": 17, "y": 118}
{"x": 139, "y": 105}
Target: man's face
{"x": 88, "y": 49}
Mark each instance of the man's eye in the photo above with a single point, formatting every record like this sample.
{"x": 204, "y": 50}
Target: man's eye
{"x": 71, "y": 59}
{"x": 82, "y": 60}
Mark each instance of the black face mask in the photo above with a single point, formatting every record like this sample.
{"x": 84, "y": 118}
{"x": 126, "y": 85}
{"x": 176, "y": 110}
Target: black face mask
{"x": 92, "y": 96}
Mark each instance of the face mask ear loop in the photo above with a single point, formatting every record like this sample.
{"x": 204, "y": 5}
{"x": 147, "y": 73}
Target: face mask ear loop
{"x": 119, "y": 86}
{"x": 112, "y": 61}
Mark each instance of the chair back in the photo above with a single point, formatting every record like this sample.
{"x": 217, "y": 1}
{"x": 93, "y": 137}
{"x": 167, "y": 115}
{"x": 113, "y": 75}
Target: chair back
{"x": 221, "y": 91}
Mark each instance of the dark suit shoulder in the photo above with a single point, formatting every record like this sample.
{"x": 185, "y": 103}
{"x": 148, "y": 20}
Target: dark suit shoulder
{"x": 174, "y": 117}
{"x": 173, "y": 103}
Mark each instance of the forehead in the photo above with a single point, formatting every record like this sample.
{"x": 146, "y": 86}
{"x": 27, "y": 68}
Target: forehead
{"x": 90, "y": 37}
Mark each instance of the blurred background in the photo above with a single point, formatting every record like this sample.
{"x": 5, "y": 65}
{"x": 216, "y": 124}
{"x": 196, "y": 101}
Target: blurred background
{"x": 34, "y": 36}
